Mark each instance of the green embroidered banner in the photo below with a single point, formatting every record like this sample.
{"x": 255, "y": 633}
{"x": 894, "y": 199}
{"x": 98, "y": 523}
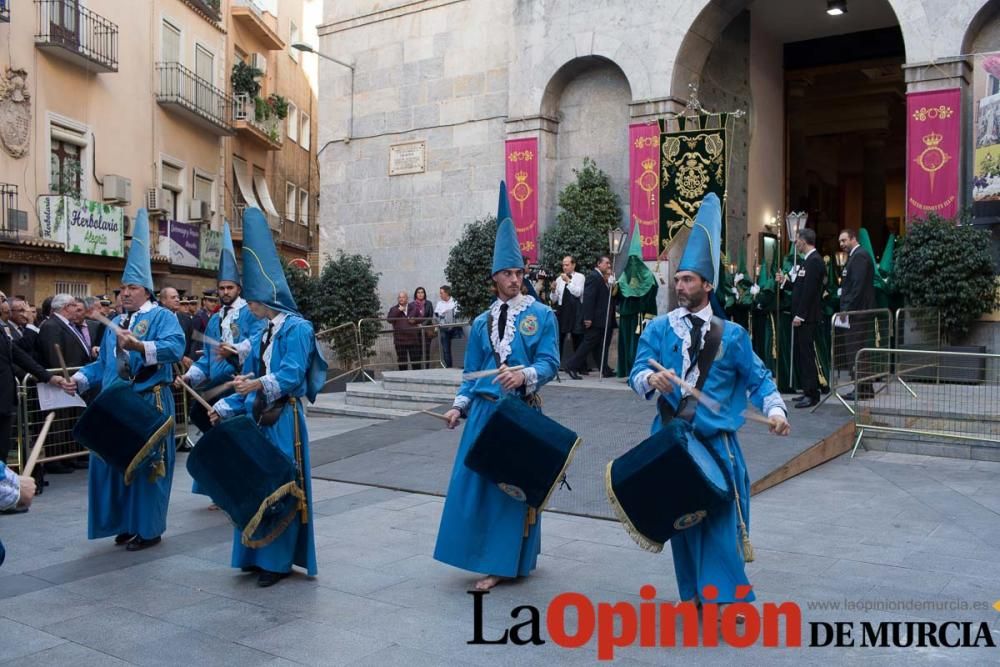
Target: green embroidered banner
{"x": 692, "y": 164}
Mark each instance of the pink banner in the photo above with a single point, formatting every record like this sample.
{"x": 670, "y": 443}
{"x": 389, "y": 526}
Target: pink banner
{"x": 522, "y": 183}
{"x": 933, "y": 140}
{"x": 644, "y": 184}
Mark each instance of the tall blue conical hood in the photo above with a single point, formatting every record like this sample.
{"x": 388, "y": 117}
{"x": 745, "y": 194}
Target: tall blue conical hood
{"x": 702, "y": 252}
{"x": 263, "y": 276}
{"x": 228, "y": 270}
{"x": 506, "y": 249}
{"x": 137, "y": 267}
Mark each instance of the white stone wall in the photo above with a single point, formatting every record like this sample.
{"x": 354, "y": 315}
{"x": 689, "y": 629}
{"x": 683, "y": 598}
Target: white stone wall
{"x": 463, "y": 75}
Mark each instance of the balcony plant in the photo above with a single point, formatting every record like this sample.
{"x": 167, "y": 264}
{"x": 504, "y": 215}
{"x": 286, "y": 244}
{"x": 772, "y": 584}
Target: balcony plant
{"x": 273, "y": 106}
{"x": 244, "y": 79}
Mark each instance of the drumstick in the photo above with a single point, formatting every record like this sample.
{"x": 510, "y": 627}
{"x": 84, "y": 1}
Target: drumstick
{"x": 712, "y": 405}
{"x": 37, "y": 449}
{"x": 209, "y": 394}
{"x": 202, "y": 338}
{"x": 475, "y": 375}
{"x": 435, "y": 414}
{"x": 62, "y": 360}
{"x": 195, "y": 395}
{"x": 106, "y": 322}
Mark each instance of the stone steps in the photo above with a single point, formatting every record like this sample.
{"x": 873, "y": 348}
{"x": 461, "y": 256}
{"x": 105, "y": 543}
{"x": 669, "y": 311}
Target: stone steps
{"x": 446, "y": 381}
{"x": 333, "y": 405}
{"x": 367, "y": 394}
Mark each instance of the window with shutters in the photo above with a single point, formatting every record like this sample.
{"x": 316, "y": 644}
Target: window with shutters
{"x": 303, "y": 207}
{"x": 290, "y": 197}
{"x": 170, "y": 46}
{"x": 306, "y": 133}
{"x": 79, "y": 290}
{"x": 293, "y": 123}
{"x": 203, "y": 190}
{"x": 68, "y": 158}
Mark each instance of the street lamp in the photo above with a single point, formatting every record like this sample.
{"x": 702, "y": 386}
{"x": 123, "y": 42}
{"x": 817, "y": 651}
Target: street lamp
{"x": 616, "y": 241}
{"x": 308, "y": 48}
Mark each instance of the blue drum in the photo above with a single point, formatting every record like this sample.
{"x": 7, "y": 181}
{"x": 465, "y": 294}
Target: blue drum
{"x": 249, "y": 478}
{"x": 667, "y": 483}
{"x": 124, "y": 430}
{"x": 523, "y": 452}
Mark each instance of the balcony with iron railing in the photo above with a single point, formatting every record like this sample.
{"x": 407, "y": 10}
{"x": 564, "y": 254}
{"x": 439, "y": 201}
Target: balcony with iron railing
{"x": 236, "y": 224}
{"x": 190, "y": 96}
{"x": 74, "y": 33}
{"x": 254, "y": 117}
{"x": 10, "y": 227}
{"x": 296, "y": 234}
{"x": 255, "y": 17}
{"x": 210, "y": 9}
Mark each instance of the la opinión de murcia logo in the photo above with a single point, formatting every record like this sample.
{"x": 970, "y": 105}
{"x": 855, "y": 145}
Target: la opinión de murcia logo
{"x": 652, "y": 624}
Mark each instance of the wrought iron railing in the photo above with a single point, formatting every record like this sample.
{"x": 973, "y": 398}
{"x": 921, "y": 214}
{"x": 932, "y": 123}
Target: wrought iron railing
{"x": 9, "y": 229}
{"x": 179, "y": 85}
{"x": 295, "y": 233}
{"x": 69, "y": 25}
{"x": 245, "y": 110}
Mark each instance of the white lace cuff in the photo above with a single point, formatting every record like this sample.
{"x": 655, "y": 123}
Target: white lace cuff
{"x": 462, "y": 403}
{"x": 81, "y": 382}
{"x": 776, "y": 412}
{"x": 272, "y": 391}
{"x": 194, "y": 376}
{"x": 530, "y": 380}
{"x": 150, "y": 352}
{"x": 243, "y": 347}
{"x": 641, "y": 385}
{"x": 222, "y": 408}
{"x": 774, "y": 402}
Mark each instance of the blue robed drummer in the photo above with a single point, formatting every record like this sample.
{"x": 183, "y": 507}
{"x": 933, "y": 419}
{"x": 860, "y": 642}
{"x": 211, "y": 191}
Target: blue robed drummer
{"x": 483, "y": 529}
{"x": 285, "y": 367}
{"x": 134, "y": 371}
{"x": 713, "y": 550}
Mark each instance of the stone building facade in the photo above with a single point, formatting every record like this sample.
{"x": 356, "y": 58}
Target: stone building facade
{"x": 463, "y": 76}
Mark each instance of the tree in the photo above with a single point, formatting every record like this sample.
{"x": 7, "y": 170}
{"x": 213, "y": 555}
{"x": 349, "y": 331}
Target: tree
{"x": 468, "y": 268}
{"x": 589, "y": 209}
{"x": 944, "y": 265}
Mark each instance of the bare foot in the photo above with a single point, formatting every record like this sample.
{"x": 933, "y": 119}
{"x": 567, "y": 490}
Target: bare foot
{"x": 488, "y": 582}
{"x": 213, "y": 507}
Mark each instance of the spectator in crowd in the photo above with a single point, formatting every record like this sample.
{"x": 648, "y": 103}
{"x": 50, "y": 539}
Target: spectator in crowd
{"x": 444, "y": 314}
{"x": 567, "y": 301}
{"x": 420, "y": 312}
{"x": 92, "y": 311}
{"x": 209, "y": 304}
{"x": 24, "y": 333}
{"x": 527, "y": 286}
{"x": 170, "y": 299}
{"x": 857, "y": 292}
{"x": 46, "y": 311}
{"x": 596, "y": 312}
{"x": 67, "y": 327}
{"x": 807, "y": 291}
{"x": 405, "y": 336}
{"x": 5, "y": 319}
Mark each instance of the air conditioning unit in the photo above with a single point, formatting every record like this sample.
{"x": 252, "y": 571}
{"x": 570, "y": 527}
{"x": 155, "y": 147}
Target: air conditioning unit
{"x": 199, "y": 211}
{"x": 117, "y": 189}
{"x": 156, "y": 200}
{"x": 259, "y": 61}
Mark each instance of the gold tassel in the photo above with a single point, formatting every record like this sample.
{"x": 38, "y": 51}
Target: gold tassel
{"x": 748, "y": 555}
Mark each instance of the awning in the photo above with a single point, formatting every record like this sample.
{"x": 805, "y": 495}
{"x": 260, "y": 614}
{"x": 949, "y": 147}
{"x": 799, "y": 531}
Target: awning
{"x": 265, "y": 196}
{"x": 243, "y": 184}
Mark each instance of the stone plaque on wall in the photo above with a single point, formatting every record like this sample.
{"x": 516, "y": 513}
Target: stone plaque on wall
{"x": 408, "y": 158}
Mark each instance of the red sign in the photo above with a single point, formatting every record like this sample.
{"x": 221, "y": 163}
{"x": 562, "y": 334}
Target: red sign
{"x": 933, "y": 140}
{"x": 644, "y": 184}
{"x": 522, "y": 184}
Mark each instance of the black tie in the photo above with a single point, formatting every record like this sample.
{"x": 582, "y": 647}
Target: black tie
{"x": 696, "y": 324}
{"x": 264, "y": 344}
{"x": 502, "y": 322}
{"x": 225, "y": 311}
{"x": 121, "y": 356}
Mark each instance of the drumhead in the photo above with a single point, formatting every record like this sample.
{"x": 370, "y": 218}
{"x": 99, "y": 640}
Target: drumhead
{"x": 707, "y": 465}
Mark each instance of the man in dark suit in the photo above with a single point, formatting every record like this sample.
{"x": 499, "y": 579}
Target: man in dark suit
{"x": 24, "y": 336}
{"x": 807, "y": 290}
{"x": 68, "y": 328}
{"x": 11, "y": 355}
{"x": 596, "y": 296}
{"x": 170, "y": 299}
{"x": 857, "y": 292}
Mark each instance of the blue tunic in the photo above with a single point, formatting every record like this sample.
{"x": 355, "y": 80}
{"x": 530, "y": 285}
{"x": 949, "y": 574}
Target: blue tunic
{"x": 291, "y": 350}
{"x": 141, "y": 507}
{"x": 711, "y": 551}
{"x": 482, "y": 528}
{"x": 213, "y": 370}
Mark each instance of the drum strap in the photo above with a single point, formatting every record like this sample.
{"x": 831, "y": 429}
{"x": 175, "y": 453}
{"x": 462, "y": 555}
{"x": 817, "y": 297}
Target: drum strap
{"x": 706, "y": 357}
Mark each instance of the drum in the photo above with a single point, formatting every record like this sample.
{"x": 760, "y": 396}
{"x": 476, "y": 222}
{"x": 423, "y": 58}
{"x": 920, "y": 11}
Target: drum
{"x": 523, "y": 452}
{"x": 667, "y": 483}
{"x": 249, "y": 478}
{"x": 198, "y": 415}
{"x": 124, "y": 430}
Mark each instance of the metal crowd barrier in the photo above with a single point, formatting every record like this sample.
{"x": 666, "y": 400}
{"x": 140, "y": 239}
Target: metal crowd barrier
{"x": 916, "y": 329}
{"x": 383, "y": 348}
{"x": 340, "y": 347}
{"x": 952, "y": 395}
{"x": 856, "y": 329}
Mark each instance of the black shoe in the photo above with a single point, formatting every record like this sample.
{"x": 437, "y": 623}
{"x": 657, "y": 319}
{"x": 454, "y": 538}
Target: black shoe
{"x": 15, "y": 510}
{"x": 824, "y": 389}
{"x": 267, "y": 578}
{"x": 608, "y": 373}
{"x": 849, "y": 397}
{"x": 573, "y": 374}
{"x": 806, "y": 402}
{"x": 250, "y": 568}
{"x": 123, "y": 538}
{"x": 184, "y": 446}
{"x": 138, "y": 544}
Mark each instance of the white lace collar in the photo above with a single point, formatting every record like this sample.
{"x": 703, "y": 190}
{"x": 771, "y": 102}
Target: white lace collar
{"x": 515, "y": 307}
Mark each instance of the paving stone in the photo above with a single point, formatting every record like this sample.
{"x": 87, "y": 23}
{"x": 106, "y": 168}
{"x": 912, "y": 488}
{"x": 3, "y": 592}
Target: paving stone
{"x": 67, "y": 653}
{"x": 310, "y": 642}
{"x": 21, "y": 640}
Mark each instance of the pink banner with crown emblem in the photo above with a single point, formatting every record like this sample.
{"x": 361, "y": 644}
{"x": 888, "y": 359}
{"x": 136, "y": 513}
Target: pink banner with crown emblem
{"x": 522, "y": 184}
{"x": 933, "y": 140}
{"x": 644, "y": 184}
